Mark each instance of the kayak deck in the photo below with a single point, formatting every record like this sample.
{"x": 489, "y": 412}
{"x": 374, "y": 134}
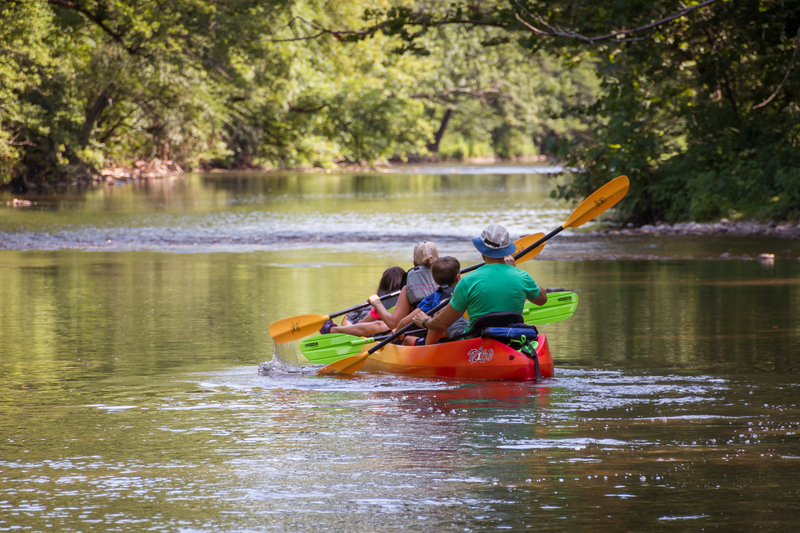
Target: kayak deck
{"x": 467, "y": 359}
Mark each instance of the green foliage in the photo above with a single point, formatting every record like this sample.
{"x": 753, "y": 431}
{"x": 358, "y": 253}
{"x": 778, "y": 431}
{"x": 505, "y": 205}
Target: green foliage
{"x": 455, "y": 146}
{"x": 238, "y": 83}
{"x": 700, "y": 102}
{"x": 700, "y": 110}
{"x": 9, "y": 156}
{"x": 503, "y": 95}
{"x": 684, "y": 116}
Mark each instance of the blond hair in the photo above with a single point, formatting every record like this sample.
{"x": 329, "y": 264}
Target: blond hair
{"x": 425, "y": 253}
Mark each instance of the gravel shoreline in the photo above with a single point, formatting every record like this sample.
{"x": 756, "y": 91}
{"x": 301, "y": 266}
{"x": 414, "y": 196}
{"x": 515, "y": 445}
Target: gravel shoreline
{"x": 723, "y": 227}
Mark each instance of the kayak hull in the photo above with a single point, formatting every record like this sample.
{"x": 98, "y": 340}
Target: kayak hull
{"x": 467, "y": 359}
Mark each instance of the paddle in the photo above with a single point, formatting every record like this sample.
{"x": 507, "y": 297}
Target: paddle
{"x": 600, "y": 201}
{"x": 326, "y": 349}
{"x": 296, "y": 327}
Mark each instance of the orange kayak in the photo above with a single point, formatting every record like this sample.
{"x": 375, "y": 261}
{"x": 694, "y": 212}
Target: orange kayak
{"x": 467, "y": 359}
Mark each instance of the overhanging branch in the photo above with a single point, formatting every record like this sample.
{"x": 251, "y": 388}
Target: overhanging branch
{"x": 786, "y": 77}
{"x": 556, "y": 32}
{"x": 73, "y": 6}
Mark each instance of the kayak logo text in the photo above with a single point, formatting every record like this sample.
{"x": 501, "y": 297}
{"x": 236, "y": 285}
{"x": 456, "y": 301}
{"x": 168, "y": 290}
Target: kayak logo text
{"x": 480, "y": 355}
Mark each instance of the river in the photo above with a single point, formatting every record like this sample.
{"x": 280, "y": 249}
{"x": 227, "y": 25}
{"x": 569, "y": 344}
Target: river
{"x": 134, "y": 320}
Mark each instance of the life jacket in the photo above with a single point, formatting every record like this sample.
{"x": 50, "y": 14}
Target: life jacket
{"x": 441, "y": 292}
{"x": 445, "y": 292}
{"x": 419, "y": 284}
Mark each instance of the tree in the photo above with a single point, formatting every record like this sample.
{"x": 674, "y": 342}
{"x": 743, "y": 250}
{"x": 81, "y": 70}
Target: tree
{"x": 491, "y": 92}
{"x": 701, "y": 105}
{"x": 240, "y": 83}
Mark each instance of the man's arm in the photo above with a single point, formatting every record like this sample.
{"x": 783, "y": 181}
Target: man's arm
{"x": 541, "y": 299}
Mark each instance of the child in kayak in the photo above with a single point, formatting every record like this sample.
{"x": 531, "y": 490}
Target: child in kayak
{"x": 419, "y": 284}
{"x": 368, "y": 322}
{"x": 446, "y": 273}
{"x": 393, "y": 279}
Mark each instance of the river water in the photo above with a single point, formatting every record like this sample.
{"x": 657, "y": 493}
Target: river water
{"x": 134, "y": 319}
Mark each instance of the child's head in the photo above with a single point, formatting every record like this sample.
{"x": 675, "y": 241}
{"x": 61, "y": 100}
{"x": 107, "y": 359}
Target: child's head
{"x": 393, "y": 279}
{"x": 425, "y": 253}
{"x": 446, "y": 270}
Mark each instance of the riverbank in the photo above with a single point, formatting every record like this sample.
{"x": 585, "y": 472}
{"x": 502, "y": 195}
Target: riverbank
{"x": 393, "y": 165}
{"x": 141, "y": 169}
{"x": 785, "y": 230}
{"x": 144, "y": 174}
{"x": 146, "y": 169}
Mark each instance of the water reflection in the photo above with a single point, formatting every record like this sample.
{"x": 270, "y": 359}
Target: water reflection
{"x": 274, "y": 211}
{"x": 130, "y": 400}
{"x": 232, "y": 450}
{"x": 343, "y": 212}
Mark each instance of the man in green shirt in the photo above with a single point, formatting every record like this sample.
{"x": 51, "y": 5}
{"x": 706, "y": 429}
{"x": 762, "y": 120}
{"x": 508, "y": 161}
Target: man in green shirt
{"x": 495, "y": 287}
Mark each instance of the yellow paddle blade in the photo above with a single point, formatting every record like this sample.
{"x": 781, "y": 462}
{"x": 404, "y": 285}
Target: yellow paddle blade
{"x": 295, "y": 327}
{"x": 601, "y": 200}
{"x": 348, "y": 365}
{"x": 524, "y": 243}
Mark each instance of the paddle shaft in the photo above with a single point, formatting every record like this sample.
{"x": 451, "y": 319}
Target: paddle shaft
{"x": 368, "y": 340}
{"x": 476, "y": 266}
{"x": 362, "y": 306}
{"x": 470, "y": 268}
{"x": 537, "y": 243}
{"x": 602, "y": 199}
{"x": 415, "y": 333}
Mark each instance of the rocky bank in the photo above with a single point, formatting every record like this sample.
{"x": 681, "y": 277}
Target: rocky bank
{"x": 723, "y": 227}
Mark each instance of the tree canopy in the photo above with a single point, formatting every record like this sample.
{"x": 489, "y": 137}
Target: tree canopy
{"x": 697, "y": 102}
{"x": 252, "y": 82}
{"x": 700, "y": 99}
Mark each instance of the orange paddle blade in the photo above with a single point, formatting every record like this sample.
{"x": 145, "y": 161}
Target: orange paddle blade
{"x": 295, "y": 327}
{"x": 524, "y": 242}
{"x": 348, "y": 365}
{"x": 601, "y": 200}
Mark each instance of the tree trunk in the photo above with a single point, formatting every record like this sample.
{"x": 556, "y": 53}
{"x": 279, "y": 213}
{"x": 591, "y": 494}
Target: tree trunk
{"x": 94, "y": 112}
{"x": 434, "y": 146}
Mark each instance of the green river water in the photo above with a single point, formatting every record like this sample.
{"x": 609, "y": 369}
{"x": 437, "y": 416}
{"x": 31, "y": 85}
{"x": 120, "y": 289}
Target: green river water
{"x": 133, "y": 320}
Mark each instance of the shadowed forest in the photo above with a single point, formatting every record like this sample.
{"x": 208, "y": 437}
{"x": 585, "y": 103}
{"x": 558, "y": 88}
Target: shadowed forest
{"x": 697, "y": 102}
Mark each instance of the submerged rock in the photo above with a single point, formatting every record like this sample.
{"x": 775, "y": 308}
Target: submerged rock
{"x": 766, "y": 259}
{"x": 16, "y": 202}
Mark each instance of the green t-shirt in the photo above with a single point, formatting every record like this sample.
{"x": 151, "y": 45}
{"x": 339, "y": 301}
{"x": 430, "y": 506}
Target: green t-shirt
{"x": 494, "y": 288}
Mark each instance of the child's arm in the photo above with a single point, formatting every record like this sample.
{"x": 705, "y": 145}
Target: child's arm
{"x": 407, "y": 320}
